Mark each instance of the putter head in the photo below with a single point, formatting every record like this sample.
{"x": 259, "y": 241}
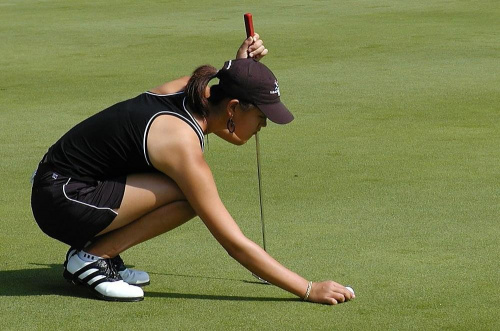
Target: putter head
{"x": 263, "y": 281}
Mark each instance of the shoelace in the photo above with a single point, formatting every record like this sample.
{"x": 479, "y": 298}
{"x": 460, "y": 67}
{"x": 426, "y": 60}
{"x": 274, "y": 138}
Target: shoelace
{"x": 107, "y": 266}
{"x": 118, "y": 263}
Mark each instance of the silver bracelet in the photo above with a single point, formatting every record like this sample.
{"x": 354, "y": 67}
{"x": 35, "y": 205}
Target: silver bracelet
{"x": 308, "y": 291}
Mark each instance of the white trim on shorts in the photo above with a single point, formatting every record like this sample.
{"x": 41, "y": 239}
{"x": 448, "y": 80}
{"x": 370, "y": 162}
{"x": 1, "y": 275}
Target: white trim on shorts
{"x": 83, "y": 203}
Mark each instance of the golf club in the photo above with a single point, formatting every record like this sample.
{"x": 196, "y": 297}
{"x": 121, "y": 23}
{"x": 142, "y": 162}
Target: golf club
{"x": 250, "y": 32}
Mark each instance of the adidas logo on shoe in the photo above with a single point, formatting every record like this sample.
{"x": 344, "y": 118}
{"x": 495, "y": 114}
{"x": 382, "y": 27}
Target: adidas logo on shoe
{"x": 102, "y": 278}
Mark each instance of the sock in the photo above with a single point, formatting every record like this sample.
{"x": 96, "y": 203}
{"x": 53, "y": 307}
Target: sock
{"x": 87, "y": 257}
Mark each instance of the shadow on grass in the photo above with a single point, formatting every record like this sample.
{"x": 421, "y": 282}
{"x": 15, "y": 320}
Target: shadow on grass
{"x": 213, "y": 297}
{"x": 46, "y": 279}
{"x": 208, "y": 277}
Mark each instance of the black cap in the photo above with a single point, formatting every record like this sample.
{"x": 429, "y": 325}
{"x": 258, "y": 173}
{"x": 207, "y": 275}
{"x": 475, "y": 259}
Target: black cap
{"x": 250, "y": 81}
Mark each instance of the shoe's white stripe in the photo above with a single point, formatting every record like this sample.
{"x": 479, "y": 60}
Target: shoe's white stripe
{"x": 95, "y": 279}
{"x": 86, "y": 273}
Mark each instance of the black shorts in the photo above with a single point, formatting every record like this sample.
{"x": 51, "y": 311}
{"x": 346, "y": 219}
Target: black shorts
{"x": 73, "y": 211}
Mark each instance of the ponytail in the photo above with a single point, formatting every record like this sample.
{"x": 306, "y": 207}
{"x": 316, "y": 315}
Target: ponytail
{"x": 195, "y": 89}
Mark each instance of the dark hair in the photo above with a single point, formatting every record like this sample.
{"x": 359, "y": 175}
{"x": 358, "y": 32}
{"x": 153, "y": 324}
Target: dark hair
{"x": 195, "y": 91}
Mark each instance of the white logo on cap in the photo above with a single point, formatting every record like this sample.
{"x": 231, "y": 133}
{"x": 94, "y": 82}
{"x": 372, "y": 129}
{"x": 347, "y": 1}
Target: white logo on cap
{"x": 276, "y": 89}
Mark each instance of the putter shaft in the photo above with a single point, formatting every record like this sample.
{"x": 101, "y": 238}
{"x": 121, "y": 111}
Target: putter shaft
{"x": 257, "y": 148}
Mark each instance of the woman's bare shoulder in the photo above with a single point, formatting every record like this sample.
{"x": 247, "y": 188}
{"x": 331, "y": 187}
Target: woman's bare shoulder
{"x": 170, "y": 139}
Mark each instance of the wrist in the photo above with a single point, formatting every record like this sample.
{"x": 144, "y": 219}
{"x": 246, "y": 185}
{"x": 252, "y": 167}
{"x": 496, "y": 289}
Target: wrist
{"x": 308, "y": 291}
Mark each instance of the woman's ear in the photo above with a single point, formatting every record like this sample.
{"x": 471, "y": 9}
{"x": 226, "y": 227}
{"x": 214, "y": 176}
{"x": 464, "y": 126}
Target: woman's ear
{"x": 208, "y": 92}
{"x": 231, "y": 107}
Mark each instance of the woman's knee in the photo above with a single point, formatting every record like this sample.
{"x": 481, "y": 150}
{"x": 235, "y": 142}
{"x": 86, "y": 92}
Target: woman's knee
{"x": 183, "y": 207}
{"x": 145, "y": 193}
{"x": 163, "y": 187}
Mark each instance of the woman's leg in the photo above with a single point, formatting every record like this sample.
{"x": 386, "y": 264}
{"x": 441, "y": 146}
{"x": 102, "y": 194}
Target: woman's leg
{"x": 152, "y": 204}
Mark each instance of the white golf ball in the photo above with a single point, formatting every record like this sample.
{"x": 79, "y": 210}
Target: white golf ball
{"x": 350, "y": 289}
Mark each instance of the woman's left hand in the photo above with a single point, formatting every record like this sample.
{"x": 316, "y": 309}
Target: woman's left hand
{"x": 252, "y": 47}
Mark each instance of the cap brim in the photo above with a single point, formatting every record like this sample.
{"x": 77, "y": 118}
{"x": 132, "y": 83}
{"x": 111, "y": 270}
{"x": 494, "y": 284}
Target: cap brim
{"x": 276, "y": 113}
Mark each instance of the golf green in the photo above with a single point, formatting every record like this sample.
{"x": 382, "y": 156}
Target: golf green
{"x": 388, "y": 179}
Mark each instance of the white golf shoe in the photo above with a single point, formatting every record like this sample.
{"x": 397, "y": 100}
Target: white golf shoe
{"x": 102, "y": 278}
{"x": 129, "y": 276}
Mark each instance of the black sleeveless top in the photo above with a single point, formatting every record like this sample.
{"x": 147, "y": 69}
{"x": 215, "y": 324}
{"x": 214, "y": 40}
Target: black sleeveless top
{"x": 112, "y": 142}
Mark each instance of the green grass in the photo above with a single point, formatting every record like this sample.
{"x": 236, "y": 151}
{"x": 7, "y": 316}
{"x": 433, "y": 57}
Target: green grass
{"x": 388, "y": 179}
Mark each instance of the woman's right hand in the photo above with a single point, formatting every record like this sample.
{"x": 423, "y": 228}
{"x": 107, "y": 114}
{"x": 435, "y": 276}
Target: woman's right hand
{"x": 252, "y": 47}
{"x": 329, "y": 292}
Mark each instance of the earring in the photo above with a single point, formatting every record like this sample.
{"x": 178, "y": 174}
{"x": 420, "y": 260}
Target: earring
{"x": 230, "y": 125}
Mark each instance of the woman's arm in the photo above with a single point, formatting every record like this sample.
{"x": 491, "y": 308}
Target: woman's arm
{"x": 170, "y": 136}
{"x": 173, "y": 86}
{"x": 251, "y": 47}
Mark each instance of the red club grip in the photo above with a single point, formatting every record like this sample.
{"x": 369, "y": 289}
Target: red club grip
{"x": 249, "y": 24}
